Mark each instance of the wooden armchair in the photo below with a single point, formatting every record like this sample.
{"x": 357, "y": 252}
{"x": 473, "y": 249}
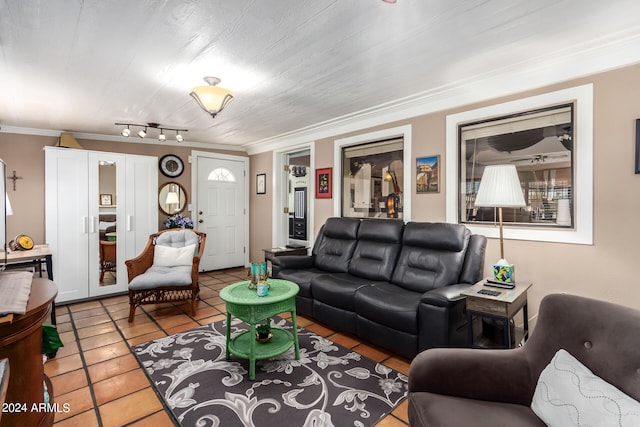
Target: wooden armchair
{"x": 167, "y": 269}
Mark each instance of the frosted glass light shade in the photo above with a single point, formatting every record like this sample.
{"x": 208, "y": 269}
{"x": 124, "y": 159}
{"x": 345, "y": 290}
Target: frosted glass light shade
{"x": 500, "y": 187}
{"x": 212, "y": 98}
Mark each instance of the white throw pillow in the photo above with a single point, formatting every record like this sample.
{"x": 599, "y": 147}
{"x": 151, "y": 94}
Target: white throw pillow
{"x": 569, "y": 394}
{"x": 167, "y": 256}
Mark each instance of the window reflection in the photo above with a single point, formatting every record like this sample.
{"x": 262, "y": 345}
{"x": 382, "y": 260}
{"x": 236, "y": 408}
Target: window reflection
{"x": 371, "y": 179}
{"x": 540, "y": 144}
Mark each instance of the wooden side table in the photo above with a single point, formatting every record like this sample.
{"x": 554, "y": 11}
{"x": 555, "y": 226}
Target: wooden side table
{"x": 501, "y": 308}
{"x": 271, "y": 253}
{"x": 21, "y": 343}
{"x": 246, "y": 305}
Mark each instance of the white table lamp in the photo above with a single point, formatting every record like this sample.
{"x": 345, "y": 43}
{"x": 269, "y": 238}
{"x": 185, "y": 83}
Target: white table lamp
{"x": 500, "y": 188}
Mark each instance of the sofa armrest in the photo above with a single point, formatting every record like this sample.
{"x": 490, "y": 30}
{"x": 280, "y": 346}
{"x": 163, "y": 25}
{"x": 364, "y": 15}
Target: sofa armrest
{"x": 445, "y": 296}
{"x": 491, "y": 375}
{"x": 293, "y": 262}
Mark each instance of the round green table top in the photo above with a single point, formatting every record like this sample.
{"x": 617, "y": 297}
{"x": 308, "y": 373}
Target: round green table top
{"x": 239, "y": 293}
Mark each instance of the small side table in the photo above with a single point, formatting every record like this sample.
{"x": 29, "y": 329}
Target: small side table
{"x": 40, "y": 254}
{"x": 246, "y": 305}
{"x": 271, "y": 253}
{"x": 502, "y": 308}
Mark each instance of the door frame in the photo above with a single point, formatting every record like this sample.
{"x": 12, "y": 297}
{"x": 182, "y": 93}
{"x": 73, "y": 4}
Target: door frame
{"x": 193, "y": 206}
{"x": 279, "y": 236}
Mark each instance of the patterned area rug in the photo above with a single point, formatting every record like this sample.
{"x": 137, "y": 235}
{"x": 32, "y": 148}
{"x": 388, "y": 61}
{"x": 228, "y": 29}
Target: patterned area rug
{"x": 329, "y": 386}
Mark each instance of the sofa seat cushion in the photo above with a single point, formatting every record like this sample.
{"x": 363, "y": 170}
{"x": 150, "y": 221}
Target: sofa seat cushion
{"x": 389, "y": 305}
{"x": 429, "y": 409}
{"x": 337, "y": 290}
{"x": 302, "y": 278}
{"x": 162, "y": 276}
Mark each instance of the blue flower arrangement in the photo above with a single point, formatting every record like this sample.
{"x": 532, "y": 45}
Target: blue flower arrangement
{"x": 178, "y": 221}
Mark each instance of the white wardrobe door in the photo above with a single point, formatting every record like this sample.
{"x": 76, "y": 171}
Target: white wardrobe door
{"x": 141, "y": 217}
{"x": 106, "y": 177}
{"x": 67, "y": 220}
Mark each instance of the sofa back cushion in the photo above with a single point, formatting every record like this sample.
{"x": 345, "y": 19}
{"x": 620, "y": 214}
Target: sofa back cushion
{"x": 432, "y": 255}
{"x": 338, "y": 243}
{"x": 376, "y": 253}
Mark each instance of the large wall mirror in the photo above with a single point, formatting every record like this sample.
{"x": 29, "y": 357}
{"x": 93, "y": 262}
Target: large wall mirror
{"x": 172, "y": 198}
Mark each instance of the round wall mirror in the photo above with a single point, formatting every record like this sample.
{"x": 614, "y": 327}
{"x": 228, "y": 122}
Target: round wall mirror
{"x": 172, "y": 198}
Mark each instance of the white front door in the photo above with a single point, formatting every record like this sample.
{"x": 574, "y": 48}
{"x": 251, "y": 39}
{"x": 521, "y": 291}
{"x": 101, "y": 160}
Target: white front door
{"x": 220, "y": 211}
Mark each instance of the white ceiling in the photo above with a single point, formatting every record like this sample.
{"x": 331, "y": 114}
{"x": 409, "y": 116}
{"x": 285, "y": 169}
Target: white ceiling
{"x": 82, "y": 65}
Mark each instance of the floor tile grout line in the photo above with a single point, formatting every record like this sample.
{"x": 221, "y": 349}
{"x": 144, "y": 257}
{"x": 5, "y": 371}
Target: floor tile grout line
{"x": 85, "y": 367}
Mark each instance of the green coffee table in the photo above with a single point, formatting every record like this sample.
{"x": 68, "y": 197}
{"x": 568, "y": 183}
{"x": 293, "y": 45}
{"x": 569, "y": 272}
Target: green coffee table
{"x": 246, "y": 305}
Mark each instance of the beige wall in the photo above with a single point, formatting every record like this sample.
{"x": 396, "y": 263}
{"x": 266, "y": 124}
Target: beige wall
{"x": 260, "y": 207}
{"x": 605, "y": 270}
{"x": 25, "y": 155}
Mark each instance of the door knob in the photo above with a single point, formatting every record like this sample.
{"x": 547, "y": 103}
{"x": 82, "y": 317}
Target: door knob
{"x": 200, "y": 213}
{"x": 200, "y": 221}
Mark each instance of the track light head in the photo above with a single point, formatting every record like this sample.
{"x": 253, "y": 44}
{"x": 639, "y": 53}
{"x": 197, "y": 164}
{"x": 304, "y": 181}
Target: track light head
{"x": 162, "y": 137}
{"x": 142, "y": 133}
{"x": 126, "y": 132}
{"x": 179, "y": 137}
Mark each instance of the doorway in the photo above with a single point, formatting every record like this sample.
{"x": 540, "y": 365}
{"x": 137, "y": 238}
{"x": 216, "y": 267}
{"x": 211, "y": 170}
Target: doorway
{"x": 220, "y": 208}
{"x": 293, "y": 207}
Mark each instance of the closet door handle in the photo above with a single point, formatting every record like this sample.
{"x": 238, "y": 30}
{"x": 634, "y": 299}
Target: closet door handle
{"x": 84, "y": 224}
{"x": 129, "y": 222}
{"x": 92, "y": 224}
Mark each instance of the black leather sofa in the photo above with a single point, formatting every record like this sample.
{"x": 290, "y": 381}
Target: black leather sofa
{"x": 395, "y": 285}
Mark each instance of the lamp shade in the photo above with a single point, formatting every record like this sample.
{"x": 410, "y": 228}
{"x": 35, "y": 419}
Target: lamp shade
{"x": 212, "y": 98}
{"x": 500, "y": 187}
{"x": 172, "y": 198}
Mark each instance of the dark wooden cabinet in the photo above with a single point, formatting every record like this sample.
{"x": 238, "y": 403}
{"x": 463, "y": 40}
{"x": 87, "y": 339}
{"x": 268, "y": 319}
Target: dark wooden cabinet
{"x": 21, "y": 343}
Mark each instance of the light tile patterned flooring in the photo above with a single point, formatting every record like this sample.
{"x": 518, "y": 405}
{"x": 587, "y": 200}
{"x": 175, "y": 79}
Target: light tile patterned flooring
{"x": 98, "y": 376}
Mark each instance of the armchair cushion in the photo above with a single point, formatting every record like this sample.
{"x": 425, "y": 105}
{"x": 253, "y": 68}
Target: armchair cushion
{"x": 168, "y": 256}
{"x": 167, "y": 276}
{"x": 568, "y": 393}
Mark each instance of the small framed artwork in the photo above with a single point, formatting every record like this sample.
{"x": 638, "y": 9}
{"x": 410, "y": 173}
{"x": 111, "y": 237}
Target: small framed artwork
{"x": 428, "y": 174}
{"x": 105, "y": 200}
{"x": 261, "y": 183}
{"x": 637, "y": 146}
{"x": 323, "y": 183}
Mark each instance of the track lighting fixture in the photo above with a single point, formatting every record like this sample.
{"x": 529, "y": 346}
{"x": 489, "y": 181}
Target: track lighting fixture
{"x": 142, "y": 133}
{"x": 212, "y": 98}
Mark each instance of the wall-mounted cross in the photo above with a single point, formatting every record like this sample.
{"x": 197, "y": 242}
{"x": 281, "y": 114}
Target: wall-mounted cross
{"x": 14, "y": 177}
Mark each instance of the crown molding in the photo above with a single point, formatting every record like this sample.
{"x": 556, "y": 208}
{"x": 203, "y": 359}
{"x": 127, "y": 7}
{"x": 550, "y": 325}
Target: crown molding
{"x": 614, "y": 51}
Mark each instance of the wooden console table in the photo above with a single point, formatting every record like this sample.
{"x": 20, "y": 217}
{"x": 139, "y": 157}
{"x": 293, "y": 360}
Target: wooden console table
{"x": 21, "y": 343}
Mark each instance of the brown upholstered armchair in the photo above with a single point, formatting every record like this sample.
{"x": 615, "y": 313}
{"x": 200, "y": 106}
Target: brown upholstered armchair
{"x": 474, "y": 387}
{"x": 167, "y": 269}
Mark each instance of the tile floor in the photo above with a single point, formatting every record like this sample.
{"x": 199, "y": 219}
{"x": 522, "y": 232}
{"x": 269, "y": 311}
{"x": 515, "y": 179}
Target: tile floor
{"x": 98, "y": 376}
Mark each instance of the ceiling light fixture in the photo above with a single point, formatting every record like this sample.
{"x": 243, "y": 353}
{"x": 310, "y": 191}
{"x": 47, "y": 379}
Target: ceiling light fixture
{"x": 212, "y": 98}
{"x": 162, "y": 137}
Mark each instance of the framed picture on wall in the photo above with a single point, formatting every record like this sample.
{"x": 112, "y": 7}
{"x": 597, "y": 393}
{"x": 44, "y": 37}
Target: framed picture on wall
{"x": 323, "y": 183}
{"x": 428, "y": 174}
{"x": 261, "y": 183}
